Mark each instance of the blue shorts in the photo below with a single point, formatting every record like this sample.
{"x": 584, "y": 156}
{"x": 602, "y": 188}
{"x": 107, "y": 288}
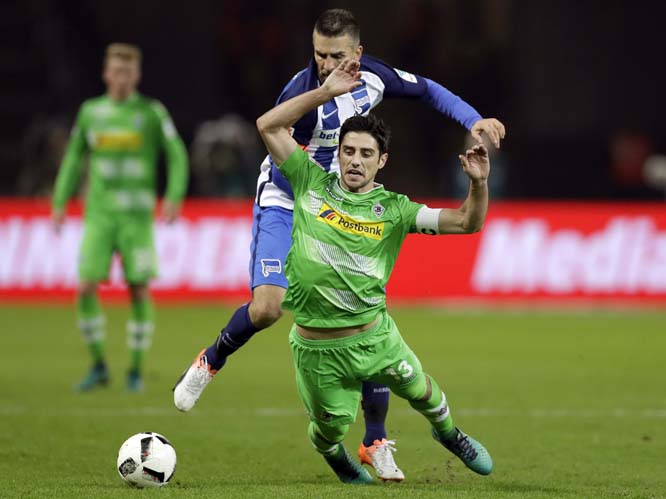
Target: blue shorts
{"x": 271, "y": 240}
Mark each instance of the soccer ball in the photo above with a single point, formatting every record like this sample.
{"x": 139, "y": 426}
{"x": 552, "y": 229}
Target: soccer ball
{"x": 147, "y": 460}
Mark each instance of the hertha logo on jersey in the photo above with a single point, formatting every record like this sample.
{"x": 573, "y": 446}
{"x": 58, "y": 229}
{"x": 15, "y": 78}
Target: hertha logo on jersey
{"x": 269, "y": 265}
{"x": 344, "y": 223}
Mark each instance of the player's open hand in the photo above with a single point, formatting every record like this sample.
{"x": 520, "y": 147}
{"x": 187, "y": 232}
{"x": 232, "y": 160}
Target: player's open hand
{"x": 475, "y": 163}
{"x": 492, "y": 127}
{"x": 344, "y": 78}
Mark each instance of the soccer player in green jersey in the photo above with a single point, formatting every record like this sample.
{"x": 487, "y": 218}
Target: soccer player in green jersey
{"x": 122, "y": 133}
{"x": 347, "y": 233}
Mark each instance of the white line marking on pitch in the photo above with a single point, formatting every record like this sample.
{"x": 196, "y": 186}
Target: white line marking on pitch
{"x": 18, "y": 410}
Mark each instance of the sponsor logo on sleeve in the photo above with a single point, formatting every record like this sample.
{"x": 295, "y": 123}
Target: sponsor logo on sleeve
{"x": 168, "y": 129}
{"x": 138, "y": 120}
{"x": 405, "y": 75}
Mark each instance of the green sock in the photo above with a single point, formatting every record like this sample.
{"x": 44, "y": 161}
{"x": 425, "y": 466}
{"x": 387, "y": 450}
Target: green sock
{"x": 345, "y": 466}
{"x": 140, "y": 332}
{"x": 436, "y": 410}
{"x": 91, "y": 324}
{"x": 322, "y": 445}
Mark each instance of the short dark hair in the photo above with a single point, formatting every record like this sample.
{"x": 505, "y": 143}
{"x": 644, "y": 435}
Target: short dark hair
{"x": 338, "y": 22}
{"x": 368, "y": 124}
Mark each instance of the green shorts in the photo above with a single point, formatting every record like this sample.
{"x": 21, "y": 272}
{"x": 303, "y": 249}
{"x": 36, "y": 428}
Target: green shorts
{"x": 131, "y": 237}
{"x": 329, "y": 373}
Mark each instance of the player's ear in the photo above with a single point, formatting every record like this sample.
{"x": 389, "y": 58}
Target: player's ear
{"x": 382, "y": 160}
{"x": 358, "y": 52}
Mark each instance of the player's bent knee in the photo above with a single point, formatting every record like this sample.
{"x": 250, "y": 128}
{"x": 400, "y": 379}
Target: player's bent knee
{"x": 139, "y": 292}
{"x": 265, "y": 312}
{"x": 88, "y": 289}
{"x": 420, "y": 388}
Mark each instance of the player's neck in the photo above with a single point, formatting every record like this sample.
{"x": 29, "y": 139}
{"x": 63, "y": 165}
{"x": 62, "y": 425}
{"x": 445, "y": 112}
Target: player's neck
{"x": 119, "y": 97}
{"x": 369, "y": 187}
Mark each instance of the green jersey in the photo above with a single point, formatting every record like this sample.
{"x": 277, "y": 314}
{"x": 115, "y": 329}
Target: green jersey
{"x": 344, "y": 246}
{"x": 123, "y": 141}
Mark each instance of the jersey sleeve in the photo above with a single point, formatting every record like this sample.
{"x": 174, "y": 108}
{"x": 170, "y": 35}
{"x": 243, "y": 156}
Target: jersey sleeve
{"x": 302, "y": 82}
{"x": 401, "y": 84}
{"x": 408, "y": 211}
{"x": 448, "y": 103}
{"x": 397, "y": 83}
{"x": 72, "y": 163}
{"x": 301, "y": 171}
{"x": 176, "y": 155}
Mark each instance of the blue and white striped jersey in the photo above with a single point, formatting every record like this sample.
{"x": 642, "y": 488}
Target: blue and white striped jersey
{"x": 318, "y": 131}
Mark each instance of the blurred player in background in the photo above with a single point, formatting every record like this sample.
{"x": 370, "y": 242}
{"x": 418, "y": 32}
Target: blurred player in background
{"x": 122, "y": 133}
{"x": 336, "y": 36}
{"x": 348, "y": 231}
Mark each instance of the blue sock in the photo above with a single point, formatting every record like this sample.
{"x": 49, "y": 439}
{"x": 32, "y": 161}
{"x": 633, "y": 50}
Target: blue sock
{"x": 237, "y": 332}
{"x": 375, "y": 404}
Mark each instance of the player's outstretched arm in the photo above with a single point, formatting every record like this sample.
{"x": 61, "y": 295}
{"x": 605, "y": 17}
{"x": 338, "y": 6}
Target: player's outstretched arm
{"x": 448, "y": 103}
{"x": 470, "y": 216}
{"x": 274, "y": 125}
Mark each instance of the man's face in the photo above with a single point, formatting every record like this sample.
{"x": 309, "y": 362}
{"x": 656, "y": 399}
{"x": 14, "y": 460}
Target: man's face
{"x": 121, "y": 77}
{"x": 359, "y": 161}
{"x": 329, "y": 52}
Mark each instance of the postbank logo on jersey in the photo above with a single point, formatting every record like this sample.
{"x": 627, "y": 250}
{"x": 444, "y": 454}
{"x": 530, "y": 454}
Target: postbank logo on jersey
{"x": 117, "y": 141}
{"x": 344, "y": 223}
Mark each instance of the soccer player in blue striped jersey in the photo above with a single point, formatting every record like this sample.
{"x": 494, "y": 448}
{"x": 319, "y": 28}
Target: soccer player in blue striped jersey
{"x": 336, "y": 36}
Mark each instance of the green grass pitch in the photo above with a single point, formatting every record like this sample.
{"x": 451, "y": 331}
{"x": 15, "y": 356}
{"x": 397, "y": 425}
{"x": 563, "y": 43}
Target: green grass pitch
{"x": 570, "y": 404}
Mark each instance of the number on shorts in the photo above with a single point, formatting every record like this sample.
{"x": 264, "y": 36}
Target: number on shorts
{"x": 406, "y": 370}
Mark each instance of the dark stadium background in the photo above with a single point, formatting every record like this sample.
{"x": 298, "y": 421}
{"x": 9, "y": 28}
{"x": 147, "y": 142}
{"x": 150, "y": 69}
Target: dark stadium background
{"x": 567, "y": 78}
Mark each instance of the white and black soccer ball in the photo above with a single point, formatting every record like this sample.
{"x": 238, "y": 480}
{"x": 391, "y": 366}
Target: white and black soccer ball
{"x": 147, "y": 460}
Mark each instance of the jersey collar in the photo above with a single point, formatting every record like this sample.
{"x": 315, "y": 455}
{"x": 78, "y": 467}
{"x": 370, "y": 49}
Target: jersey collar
{"x": 356, "y": 195}
{"x": 130, "y": 99}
